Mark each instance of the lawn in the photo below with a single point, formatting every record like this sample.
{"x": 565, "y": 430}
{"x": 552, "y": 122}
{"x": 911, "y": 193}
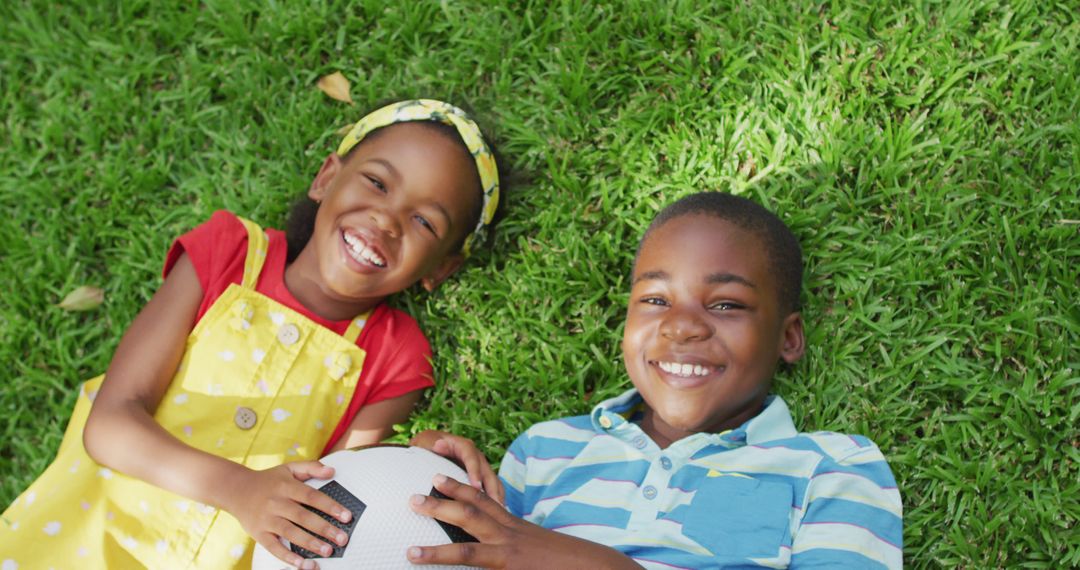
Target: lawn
{"x": 928, "y": 158}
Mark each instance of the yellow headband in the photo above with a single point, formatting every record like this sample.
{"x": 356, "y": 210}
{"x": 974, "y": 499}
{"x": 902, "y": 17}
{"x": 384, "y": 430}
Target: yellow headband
{"x": 432, "y": 110}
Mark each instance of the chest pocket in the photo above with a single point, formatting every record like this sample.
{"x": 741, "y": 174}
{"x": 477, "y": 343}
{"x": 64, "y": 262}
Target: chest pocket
{"x": 739, "y": 517}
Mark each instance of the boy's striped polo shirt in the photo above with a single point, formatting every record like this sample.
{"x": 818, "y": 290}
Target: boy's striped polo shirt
{"x": 762, "y": 495}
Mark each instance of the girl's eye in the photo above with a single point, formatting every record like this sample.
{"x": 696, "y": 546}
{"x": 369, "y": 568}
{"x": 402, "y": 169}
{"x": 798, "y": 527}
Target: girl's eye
{"x": 658, "y": 301}
{"x": 724, "y": 306}
{"x": 427, "y": 225}
{"x": 377, "y": 184}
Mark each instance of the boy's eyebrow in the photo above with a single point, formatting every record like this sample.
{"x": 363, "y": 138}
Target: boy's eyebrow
{"x": 720, "y": 278}
{"x": 652, "y": 276}
{"x": 712, "y": 279}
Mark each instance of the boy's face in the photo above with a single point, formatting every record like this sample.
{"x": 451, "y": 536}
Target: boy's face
{"x": 704, "y": 329}
{"x": 392, "y": 214}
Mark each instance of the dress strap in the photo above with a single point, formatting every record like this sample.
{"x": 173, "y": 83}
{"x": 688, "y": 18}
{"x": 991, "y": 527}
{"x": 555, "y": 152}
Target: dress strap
{"x": 256, "y": 253}
{"x": 353, "y": 332}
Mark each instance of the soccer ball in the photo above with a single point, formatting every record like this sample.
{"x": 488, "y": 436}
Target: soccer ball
{"x": 375, "y": 483}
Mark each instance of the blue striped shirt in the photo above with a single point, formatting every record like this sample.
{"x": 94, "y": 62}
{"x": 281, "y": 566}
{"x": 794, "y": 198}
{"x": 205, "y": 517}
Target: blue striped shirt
{"x": 761, "y": 495}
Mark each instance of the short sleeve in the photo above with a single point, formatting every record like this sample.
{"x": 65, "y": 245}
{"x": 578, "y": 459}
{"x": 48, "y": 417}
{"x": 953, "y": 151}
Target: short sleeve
{"x": 216, "y": 248}
{"x": 397, "y": 361}
{"x": 512, "y": 471}
{"x": 853, "y": 514}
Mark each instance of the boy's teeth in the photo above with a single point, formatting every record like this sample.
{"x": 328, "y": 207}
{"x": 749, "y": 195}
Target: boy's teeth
{"x": 684, "y": 369}
{"x": 361, "y": 252}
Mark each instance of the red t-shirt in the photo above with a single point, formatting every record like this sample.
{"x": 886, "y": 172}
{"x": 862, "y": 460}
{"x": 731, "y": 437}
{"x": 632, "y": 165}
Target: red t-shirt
{"x": 398, "y": 357}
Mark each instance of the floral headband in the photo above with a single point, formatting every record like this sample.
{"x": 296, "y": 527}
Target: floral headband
{"x": 432, "y": 110}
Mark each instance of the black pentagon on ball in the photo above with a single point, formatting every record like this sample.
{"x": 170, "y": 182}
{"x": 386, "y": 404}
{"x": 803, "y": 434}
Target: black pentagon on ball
{"x": 346, "y": 499}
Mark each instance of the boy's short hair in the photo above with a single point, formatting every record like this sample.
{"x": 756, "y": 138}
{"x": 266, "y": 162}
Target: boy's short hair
{"x": 785, "y": 255}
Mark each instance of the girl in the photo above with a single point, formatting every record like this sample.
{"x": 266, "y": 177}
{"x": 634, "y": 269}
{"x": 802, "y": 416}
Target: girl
{"x": 260, "y": 353}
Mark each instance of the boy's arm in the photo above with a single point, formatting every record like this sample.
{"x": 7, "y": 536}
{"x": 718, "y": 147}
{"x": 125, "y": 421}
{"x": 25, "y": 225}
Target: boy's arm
{"x": 853, "y": 514}
{"x": 505, "y": 540}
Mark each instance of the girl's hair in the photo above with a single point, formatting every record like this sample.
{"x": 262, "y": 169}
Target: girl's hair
{"x": 301, "y": 221}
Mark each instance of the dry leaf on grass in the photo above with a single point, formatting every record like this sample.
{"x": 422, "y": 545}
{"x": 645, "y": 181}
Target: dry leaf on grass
{"x": 344, "y": 130}
{"x": 83, "y": 298}
{"x": 336, "y": 86}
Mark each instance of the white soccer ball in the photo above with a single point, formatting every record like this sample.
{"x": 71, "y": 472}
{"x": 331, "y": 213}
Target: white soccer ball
{"x": 375, "y": 483}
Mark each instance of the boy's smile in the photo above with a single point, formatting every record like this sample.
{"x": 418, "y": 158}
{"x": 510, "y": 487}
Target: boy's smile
{"x": 391, "y": 214}
{"x": 704, "y": 330}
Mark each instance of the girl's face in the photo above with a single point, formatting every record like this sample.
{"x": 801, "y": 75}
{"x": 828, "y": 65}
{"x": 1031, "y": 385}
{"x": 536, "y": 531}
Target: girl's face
{"x": 391, "y": 214}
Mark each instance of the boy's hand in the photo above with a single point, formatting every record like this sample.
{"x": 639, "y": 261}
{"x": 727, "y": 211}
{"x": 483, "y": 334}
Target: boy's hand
{"x": 505, "y": 540}
{"x": 481, "y": 475}
{"x": 270, "y": 505}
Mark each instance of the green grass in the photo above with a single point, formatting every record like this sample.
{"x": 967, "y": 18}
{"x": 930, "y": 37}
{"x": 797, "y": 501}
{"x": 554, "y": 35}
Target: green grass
{"x": 927, "y": 156}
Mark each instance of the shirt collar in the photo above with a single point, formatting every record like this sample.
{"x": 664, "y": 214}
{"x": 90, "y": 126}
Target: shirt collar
{"x": 772, "y": 423}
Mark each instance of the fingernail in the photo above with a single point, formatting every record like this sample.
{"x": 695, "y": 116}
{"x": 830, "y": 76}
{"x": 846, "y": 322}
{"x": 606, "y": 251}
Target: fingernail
{"x": 342, "y": 538}
{"x": 344, "y": 516}
{"x": 440, "y": 479}
{"x": 417, "y": 499}
{"x": 413, "y": 553}
{"x": 326, "y": 550}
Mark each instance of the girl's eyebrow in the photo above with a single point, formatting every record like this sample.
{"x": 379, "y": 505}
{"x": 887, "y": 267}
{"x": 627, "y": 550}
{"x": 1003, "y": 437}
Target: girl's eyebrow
{"x": 391, "y": 171}
{"x": 445, "y": 214}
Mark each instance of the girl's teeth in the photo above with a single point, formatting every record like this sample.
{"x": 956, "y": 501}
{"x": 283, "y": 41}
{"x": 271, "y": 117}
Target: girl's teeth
{"x": 361, "y": 252}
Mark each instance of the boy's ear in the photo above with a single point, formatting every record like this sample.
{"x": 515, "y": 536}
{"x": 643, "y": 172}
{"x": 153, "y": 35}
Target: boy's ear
{"x": 792, "y": 340}
{"x": 329, "y": 169}
{"x": 444, "y": 270}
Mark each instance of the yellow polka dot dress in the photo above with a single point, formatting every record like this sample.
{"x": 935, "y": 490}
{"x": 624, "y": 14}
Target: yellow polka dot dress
{"x": 259, "y": 384}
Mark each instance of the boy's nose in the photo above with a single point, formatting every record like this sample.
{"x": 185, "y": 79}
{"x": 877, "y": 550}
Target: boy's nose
{"x": 683, "y": 325}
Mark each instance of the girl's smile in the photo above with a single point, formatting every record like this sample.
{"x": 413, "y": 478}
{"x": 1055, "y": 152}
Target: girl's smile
{"x": 391, "y": 214}
{"x": 362, "y": 251}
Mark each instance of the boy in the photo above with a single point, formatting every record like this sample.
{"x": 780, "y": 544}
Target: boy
{"x": 697, "y": 466}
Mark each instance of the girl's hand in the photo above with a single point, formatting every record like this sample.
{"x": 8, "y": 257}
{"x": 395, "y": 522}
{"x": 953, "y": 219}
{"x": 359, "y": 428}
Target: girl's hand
{"x": 270, "y": 506}
{"x": 462, "y": 449}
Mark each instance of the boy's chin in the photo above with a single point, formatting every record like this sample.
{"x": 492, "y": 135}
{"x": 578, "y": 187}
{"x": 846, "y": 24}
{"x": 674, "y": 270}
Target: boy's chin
{"x": 678, "y": 421}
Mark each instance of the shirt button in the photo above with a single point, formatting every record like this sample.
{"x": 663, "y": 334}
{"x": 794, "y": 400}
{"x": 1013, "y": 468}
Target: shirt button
{"x": 649, "y": 492}
{"x": 605, "y": 422}
{"x": 639, "y": 442}
{"x": 288, "y": 334}
{"x": 665, "y": 463}
{"x": 245, "y": 418}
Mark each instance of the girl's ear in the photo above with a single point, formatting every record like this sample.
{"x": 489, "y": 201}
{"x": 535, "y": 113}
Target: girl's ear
{"x": 444, "y": 270}
{"x": 792, "y": 340}
{"x": 329, "y": 169}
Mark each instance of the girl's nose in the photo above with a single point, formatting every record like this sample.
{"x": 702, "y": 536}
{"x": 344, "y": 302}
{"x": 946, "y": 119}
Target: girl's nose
{"x": 386, "y": 222}
{"x": 685, "y": 325}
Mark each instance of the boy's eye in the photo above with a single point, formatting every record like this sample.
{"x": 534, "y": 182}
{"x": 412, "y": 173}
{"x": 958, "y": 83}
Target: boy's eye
{"x": 659, "y": 301}
{"x": 724, "y": 306}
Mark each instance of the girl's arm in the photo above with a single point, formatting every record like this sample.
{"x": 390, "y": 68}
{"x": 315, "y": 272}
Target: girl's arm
{"x": 121, "y": 433}
{"x": 375, "y": 422}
